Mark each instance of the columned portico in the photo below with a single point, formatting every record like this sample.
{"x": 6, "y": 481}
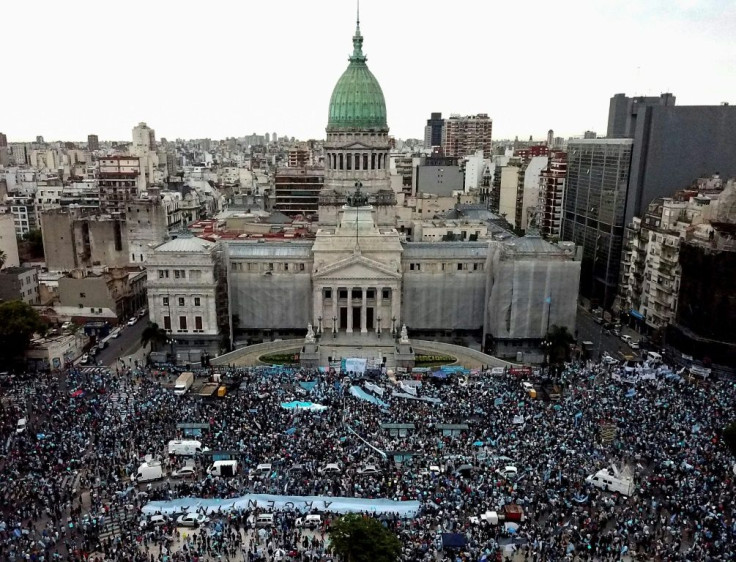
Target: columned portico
{"x": 351, "y": 307}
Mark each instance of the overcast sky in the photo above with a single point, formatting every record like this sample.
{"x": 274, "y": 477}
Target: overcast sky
{"x": 216, "y": 68}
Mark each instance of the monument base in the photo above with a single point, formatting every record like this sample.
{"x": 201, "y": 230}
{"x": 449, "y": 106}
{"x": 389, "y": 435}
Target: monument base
{"x": 404, "y": 355}
{"x": 309, "y": 356}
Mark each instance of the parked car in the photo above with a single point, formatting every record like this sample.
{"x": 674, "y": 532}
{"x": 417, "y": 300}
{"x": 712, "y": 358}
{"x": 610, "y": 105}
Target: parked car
{"x": 152, "y": 521}
{"x": 184, "y": 472}
{"x": 192, "y": 520}
{"x": 132, "y": 321}
{"x": 626, "y": 338}
{"x": 85, "y": 359}
{"x": 634, "y": 344}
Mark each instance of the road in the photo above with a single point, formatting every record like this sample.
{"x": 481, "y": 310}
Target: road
{"x": 588, "y": 330}
{"x": 127, "y": 343}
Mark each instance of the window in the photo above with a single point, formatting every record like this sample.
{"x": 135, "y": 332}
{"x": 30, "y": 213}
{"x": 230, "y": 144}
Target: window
{"x": 197, "y": 323}
{"x": 343, "y": 293}
{"x": 167, "y": 323}
{"x": 328, "y": 293}
{"x": 269, "y": 267}
{"x": 163, "y": 273}
{"x": 301, "y": 267}
{"x": 386, "y": 293}
{"x": 371, "y": 293}
{"x": 357, "y": 293}
{"x": 459, "y": 267}
{"x": 415, "y": 266}
{"x": 82, "y": 295}
{"x": 197, "y": 301}
{"x": 181, "y": 301}
{"x": 166, "y": 301}
{"x": 179, "y": 274}
{"x": 182, "y": 323}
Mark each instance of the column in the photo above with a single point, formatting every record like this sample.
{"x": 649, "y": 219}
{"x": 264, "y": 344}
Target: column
{"x": 364, "y": 311}
{"x": 379, "y": 301}
{"x": 318, "y": 307}
{"x": 350, "y": 311}
{"x": 396, "y": 307}
{"x": 334, "y": 307}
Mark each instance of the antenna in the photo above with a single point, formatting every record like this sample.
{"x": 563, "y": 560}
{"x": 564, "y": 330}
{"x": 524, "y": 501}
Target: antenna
{"x": 358, "y": 16}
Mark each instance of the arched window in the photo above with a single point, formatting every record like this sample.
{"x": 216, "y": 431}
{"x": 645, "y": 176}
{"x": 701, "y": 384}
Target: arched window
{"x": 350, "y": 161}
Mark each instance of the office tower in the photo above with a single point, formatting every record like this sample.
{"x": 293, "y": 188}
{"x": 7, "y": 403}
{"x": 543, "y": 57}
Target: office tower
{"x": 590, "y": 135}
{"x": 3, "y": 140}
{"x": 39, "y": 139}
{"x": 433, "y": 130}
{"x": 623, "y": 112}
{"x": 595, "y": 203}
{"x": 93, "y": 143}
{"x": 466, "y": 135}
{"x": 144, "y": 139}
{"x": 550, "y": 138}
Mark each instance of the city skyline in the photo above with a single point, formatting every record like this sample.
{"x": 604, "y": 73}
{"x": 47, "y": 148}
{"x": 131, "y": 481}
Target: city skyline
{"x": 194, "y": 74}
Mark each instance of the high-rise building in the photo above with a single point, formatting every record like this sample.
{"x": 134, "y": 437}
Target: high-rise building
{"x": 623, "y": 112}
{"x": 595, "y": 203}
{"x": 433, "y": 130}
{"x": 39, "y": 139}
{"x": 590, "y": 135}
{"x": 551, "y": 194}
{"x": 93, "y": 142}
{"x": 119, "y": 181}
{"x": 297, "y": 189}
{"x": 3, "y": 140}
{"x": 144, "y": 139}
{"x": 466, "y": 135}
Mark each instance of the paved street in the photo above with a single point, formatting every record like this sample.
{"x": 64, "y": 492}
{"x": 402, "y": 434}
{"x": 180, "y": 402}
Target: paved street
{"x": 128, "y": 343}
{"x": 588, "y": 330}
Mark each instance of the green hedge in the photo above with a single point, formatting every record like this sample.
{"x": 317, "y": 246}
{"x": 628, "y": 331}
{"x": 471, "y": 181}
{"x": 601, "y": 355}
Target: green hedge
{"x": 280, "y": 358}
{"x": 428, "y": 360}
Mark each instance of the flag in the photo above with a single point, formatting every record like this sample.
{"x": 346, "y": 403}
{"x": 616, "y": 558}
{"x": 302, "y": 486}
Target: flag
{"x": 548, "y": 300}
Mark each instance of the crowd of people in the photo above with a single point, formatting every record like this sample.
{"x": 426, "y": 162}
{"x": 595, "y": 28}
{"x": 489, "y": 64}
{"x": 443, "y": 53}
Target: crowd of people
{"x": 66, "y": 492}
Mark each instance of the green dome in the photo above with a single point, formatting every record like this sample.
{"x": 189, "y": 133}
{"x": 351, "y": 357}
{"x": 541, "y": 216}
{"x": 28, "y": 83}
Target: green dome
{"x": 357, "y": 101}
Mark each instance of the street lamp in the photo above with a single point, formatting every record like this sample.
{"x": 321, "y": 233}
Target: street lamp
{"x": 334, "y": 326}
{"x": 393, "y": 326}
{"x": 379, "y": 327}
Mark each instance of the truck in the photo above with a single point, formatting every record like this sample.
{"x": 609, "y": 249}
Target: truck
{"x": 184, "y": 383}
{"x": 208, "y": 389}
{"x": 611, "y": 480}
{"x": 184, "y": 447}
{"x": 223, "y": 468}
{"x": 148, "y": 471}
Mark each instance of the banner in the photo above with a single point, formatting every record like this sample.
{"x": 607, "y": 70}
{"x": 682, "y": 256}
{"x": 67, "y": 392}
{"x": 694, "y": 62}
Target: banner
{"x": 303, "y": 406}
{"x": 355, "y": 365}
{"x": 273, "y": 503}
{"x": 408, "y": 388}
{"x": 374, "y": 388}
{"x": 363, "y": 395}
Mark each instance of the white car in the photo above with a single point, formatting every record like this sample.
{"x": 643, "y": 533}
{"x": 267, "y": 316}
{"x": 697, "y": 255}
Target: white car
{"x": 527, "y": 386}
{"x": 192, "y": 520}
{"x": 21, "y": 426}
{"x": 608, "y": 360}
{"x": 508, "y": 472}
{"x": 369, "y": 469}
{"x": 85, "y": 359}
{"x": 132, "y": 321}
{"x": 332, "y": 468}
{"x": 115, "y": 334}
{"x": 625, "y": 338}
{"x": 157, "y": 520}
{"x": 184, "y": 472}
{"x": 634, "y": 344}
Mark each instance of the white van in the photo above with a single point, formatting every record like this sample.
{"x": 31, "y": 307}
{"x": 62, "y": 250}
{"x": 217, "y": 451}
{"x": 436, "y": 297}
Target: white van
{"x": 184, "y": 447}
{"x": 654, "y": 358}
{"x": 263, "y": 470}
{"x": 223, "y": 468}
{"x": 607, "y": 479}
{"x": 264, "y": 520}
{"x": 309, "y": 522}
{"x": 148, "y": 471}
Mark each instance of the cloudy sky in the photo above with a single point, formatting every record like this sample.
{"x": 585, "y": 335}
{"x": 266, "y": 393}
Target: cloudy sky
{"x": 220, "y": 68}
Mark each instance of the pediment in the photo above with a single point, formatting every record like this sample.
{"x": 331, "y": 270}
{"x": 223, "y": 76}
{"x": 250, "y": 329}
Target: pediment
{"x": 356, "y": 146}
{"x": 356, "y": 267}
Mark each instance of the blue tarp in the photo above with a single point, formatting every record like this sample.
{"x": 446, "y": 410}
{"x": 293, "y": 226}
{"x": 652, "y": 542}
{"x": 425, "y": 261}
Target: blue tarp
{"x": 363, "y": 395}
{"x": 308, "y": 385}
{"x": 453, "y": 540}
{"x": 273, "y": 502}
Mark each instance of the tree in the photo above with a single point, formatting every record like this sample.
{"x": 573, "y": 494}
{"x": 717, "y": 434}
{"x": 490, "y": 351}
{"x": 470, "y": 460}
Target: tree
{"x": 363, "y": 539}
{"x": 154, "y": 335}
{"x": 3, "y": 258}
{"x": 18, "y": 322}
{"x": 557, "y": 343}
{"x": 729, "y": 436}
